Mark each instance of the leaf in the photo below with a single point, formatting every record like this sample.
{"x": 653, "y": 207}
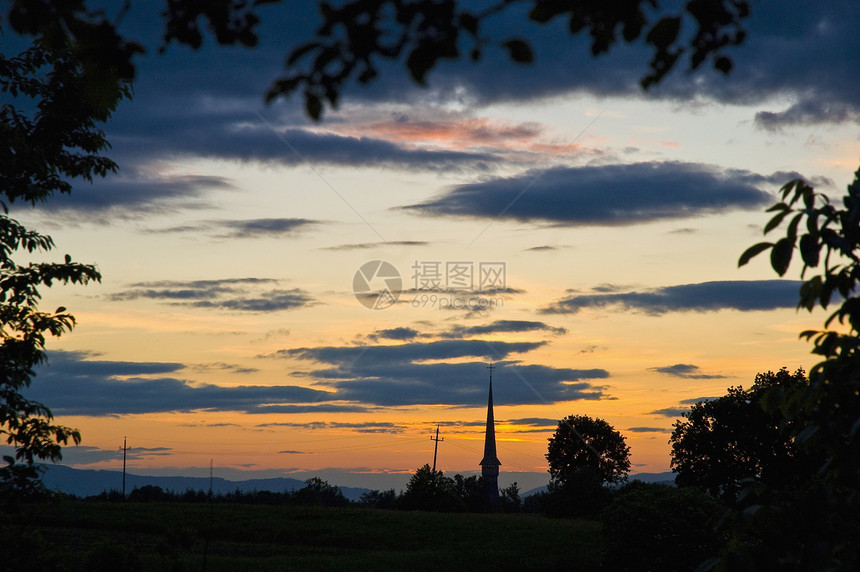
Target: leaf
{"x": 810, "y": 250}
{"x": 780, "y": 255}
{"x": 283, "y": 87}
{"x": 519, "y": 51}
{"x": 299, "y": 52}
{"x": 313, "y": 105}
{"x": 752, "y": 251}
{"x": 419, "y": 62}
{"x": 664, "y": 32}
{"x": 809, "y": 293}
{"x": 775, "y": 221}
{"x": 791, "y": 234}
{"x": 723, "y": 64}
{"x": 469, "y": 22}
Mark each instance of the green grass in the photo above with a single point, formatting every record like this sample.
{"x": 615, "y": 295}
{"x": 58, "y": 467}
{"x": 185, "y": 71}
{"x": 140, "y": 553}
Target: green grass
{"x": 90, "y": 535}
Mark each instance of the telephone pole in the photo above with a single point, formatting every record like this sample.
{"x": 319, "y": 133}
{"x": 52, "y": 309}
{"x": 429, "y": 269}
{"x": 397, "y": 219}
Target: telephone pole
{"x": 124, "y": 448}
{"x": 436, "y": 447}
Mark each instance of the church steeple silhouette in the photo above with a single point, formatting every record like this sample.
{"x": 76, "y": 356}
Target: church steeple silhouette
{"x": 490, "y": 463}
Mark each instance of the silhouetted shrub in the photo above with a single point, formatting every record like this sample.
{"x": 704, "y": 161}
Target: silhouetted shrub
{"x": 378, "y": 499}
{"x": 578, "y": 498}
{"x": 660, "y": 527}
{"x": 149, "y": 493}
{"x": 318, "y": 492}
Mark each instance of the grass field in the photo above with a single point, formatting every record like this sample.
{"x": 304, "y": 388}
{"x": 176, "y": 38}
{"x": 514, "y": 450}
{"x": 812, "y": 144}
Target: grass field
{"x": 78, "y": 535}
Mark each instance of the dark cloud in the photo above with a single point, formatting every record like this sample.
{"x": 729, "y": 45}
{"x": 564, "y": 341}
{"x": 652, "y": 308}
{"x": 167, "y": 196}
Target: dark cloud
{"x": 250, "y": 228}
{"x": 86, "y": 454}
{"x": 401, "y": 333}
{"x": 73, "y": 384}
{"x": 239, "y": 133}
{"x": 460, "y": 332}
{"x": 534, "y": 421}
{"x": 421, "y": 373}
{"x": 369, "y": 245}
{"x": 796, "y": 52}
{"x": 649, "y": 430}
{"x": 611, "y": 195}
{"x": 671, "y": 412}
{"x": 221, "y": 366}
{"x": 227, "y": 294}
{"x": 704, "y": 297}
{"x": 352, "y": 379}
{"x": 687, "y": 371}
{"x": 501, "y": 326}
{"x": 311, "y": 408}
{"x": 134, "y": 194}
{"x": 806, "y": 112}
{"x": 367, "y": 427}
{"x": 270, "y": 301}
{"x": 205, "y": 102}
{"x": 695, "y": 400}
{"x": 188, "y": 290}
{"x": 408, "y": 353}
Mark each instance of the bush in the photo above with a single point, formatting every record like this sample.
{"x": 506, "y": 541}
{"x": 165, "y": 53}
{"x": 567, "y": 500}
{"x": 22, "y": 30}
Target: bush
{"x": 577, "y": 498}
{"x": 660, "y": 527}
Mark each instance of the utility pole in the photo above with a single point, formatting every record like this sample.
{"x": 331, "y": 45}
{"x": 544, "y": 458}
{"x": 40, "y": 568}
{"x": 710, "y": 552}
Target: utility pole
{"x": 124, "y": 448}
{"x": 436, "y": 447}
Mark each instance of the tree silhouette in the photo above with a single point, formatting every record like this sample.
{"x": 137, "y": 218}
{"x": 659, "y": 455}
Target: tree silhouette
{"x": 429, "y": 490}
{"x": 587, "y": 449}
{"x": 584, "y": 455}
{"x": 49, "y": 136}
{"x": 724, "y": 441}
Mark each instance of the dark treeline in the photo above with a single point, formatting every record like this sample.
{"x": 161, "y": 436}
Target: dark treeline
{"x": 426, "y": 491}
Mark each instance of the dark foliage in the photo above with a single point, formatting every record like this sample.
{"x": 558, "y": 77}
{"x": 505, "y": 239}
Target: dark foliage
{"x": 586, "y": 450}
{"x": 584, "y": 456}
{"x": 660, "y": 527}
{"x": 54, "y": 97}
{"x": 726, "y": 441}
{"x": 357, "y": 35}
{"x": 579, "y": 496}
{"x": 429, "y": 490}
{"x": 509, "y": 499}
{"x": 378, "y": 499}
{"x": 318, "y": 492}
{"x": 825, "y": 414}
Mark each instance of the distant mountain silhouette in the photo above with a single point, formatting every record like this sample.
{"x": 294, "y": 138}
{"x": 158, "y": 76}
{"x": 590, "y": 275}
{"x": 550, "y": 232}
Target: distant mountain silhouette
{"x": 84, "y": 483}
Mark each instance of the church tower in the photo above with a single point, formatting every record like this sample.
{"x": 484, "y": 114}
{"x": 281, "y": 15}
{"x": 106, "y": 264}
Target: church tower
{"x": 490, "y": 463}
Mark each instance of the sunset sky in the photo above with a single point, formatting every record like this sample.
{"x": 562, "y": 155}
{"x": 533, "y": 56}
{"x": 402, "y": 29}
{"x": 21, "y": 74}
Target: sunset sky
{"x": 588, "y": 234}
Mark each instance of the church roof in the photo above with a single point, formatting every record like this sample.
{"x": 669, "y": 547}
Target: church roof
{"x": 490, "y": 457}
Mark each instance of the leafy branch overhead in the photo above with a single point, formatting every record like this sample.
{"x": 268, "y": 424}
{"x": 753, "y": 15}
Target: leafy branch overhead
{"x": 355, "y": 37}
{"x": 54, "y": 97}
{"x": 831, "y": 240}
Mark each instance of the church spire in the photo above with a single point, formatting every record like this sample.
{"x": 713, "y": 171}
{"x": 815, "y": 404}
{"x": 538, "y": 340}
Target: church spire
{"x": 490, "y": 463}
